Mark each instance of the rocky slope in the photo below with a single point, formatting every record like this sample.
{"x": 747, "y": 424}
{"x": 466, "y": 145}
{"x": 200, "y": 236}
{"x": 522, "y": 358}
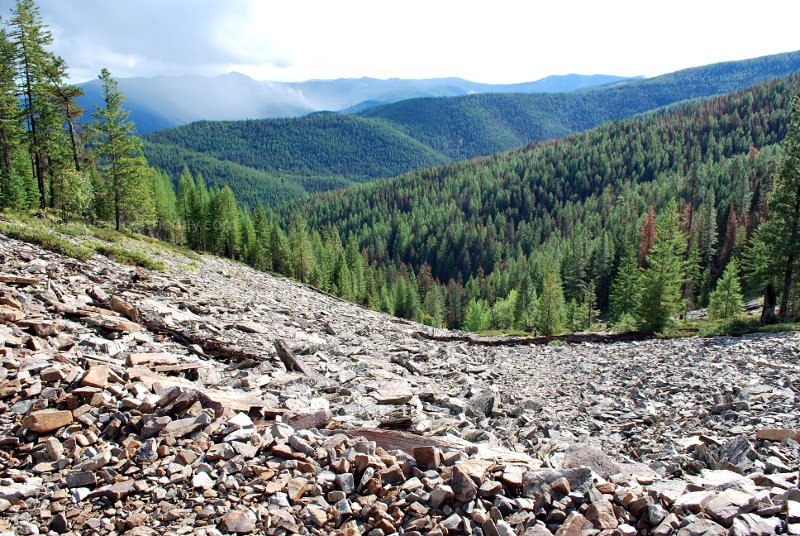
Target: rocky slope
{"x": 212, "y": 398}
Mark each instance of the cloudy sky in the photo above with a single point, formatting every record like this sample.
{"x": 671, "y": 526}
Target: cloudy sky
{"x": 495, "y": 41}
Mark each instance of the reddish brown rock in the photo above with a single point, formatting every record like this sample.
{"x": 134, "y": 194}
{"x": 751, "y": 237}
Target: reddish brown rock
{"x": 601, "y": 514}
{"x": 47, "y": 420}
{"x": 96, "y": 376}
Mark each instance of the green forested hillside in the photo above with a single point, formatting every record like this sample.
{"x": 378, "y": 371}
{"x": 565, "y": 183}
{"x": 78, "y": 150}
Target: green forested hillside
{"x": 575, "y": 204}
{"x": 474, "y": 125}
{"x": 325, "y": 151}
{"x": 639, "y": 219}
{"x": 252, "y": 185}
{"x": 319, "y": 144}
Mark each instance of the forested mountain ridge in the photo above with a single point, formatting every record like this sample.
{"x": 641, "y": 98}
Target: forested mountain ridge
{"x": 475, "y": 125}
{"x": 324, "y": 151}
{"x": 168, "y": 101}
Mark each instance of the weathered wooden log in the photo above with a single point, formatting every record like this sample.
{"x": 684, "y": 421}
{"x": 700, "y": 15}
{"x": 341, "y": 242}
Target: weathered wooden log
{"x": 527, "y": 341}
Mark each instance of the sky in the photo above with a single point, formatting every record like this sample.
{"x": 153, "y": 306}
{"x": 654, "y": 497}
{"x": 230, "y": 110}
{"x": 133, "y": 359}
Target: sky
{"x": 490, "y": 41}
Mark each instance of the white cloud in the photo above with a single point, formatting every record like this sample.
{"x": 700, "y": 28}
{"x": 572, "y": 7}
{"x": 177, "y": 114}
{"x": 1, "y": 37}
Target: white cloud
{"x": 502, "y": 41}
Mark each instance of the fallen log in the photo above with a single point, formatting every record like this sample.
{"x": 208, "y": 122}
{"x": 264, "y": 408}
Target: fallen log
{"x": 577, "y": 338}
{"x": 18, "y": 279}
{"x": 211, "y": 347}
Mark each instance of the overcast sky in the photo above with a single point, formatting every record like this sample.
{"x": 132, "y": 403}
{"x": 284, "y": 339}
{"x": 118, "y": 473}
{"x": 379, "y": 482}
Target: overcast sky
{"x": 495, "y": 41}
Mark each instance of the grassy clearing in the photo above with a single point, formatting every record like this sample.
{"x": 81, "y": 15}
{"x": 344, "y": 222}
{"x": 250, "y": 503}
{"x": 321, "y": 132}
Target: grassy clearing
{"x": 126, "y": 255}
{"x": 38, "y": 234}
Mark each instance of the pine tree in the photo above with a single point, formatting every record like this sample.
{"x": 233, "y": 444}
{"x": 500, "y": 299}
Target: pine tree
{"x": 589, "y": 304}
{"x": 122, "y": 162}
{"x": 32, "y": 37}
{"x": 627, "y": 288}
{"x": 263, "y": 257}
{"x": 248, "y": 245}
{"x": 477, "y": 316}
{"x": 550, "y": 314}
{"x": 785, "y": 208}
{"x": 433, "y": 306}
{"x": 502, "y": 314}
{"x": 302, "y": 256}
{"x": 454, "y": 305}
{"x": 726, "y": 301}
{"x": 648, "y": 236}
{"x": 279, "y": 251}
{"x": 223, "y": 223}
{"x": 525, "y": 306}
{"x": 63, "y": 98}
{"x": 167, "y": 225}
{"x": 574, "y": 316}
{"x": 77, "y": 195}
{"x": 10, "y": 117}
{"x": 662, "y": 279}
{"x": 731, "y": 228}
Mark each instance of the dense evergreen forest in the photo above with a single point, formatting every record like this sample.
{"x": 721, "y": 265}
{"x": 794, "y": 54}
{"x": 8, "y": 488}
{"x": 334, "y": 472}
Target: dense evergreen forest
{"x": 491, "y": 228}
{"x": 635, "y": 221}
{"x": 315, "y": 153}
{"x": 326, "y": 151}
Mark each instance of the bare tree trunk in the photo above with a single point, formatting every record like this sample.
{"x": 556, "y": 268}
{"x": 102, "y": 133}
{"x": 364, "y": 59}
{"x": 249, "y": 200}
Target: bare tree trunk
{"x": 789, "y": 270}
{"x": 768, "y": 309}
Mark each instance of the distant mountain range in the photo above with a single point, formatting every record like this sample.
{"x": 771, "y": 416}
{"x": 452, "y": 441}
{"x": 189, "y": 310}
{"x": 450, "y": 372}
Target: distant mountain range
{"x": 168, "y": 101}
{"x": 277, "y": 160}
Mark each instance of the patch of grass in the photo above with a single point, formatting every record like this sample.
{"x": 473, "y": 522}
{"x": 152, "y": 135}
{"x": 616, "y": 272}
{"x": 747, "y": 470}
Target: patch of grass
{"x": 780, "y": 328}
{"x": 728, "y": 326}
{"x": 179, "y": 250}
{"x": 38, "y": 234}
{"x": 123, "y": 255}
{"x": 742, "y": 325}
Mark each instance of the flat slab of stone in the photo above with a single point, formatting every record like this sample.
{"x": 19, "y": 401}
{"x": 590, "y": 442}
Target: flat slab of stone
{"x": 778, "y": 434}
{"x": 47, "y": 420}
{"x": 96, "y": 376}
{"x": 395, "y": 394}
{"x": 727, "y": 505}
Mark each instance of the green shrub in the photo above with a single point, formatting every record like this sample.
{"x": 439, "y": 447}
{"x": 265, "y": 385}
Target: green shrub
{"x": 130, "y": 256}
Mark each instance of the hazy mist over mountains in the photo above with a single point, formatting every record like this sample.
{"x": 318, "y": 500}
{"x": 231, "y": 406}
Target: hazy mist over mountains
{"x": 167, "y": 101}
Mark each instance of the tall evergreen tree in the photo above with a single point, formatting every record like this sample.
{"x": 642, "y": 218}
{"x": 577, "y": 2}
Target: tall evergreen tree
{"x": 477, "y": 316}
{"x": 525, "y": 306}
{"x": 32, "y": 37}
{"x": 726, "y": 301}
{"x": 122, "y": 162}
{"x": 263, "y": 259}
{"x": 662, "y": 279}
{"x": 63, "y": 97}
{"x": 302, "y": 256}
{"x": 648, "y": 236}
{"x": 785, "y": 208}
{"x": 10, "y": 116}
{"x": 166, "y": 226}
{"x": 731, "y": 232}
{"x": 223, "y": 223}
{"x": 550, "y": 313}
